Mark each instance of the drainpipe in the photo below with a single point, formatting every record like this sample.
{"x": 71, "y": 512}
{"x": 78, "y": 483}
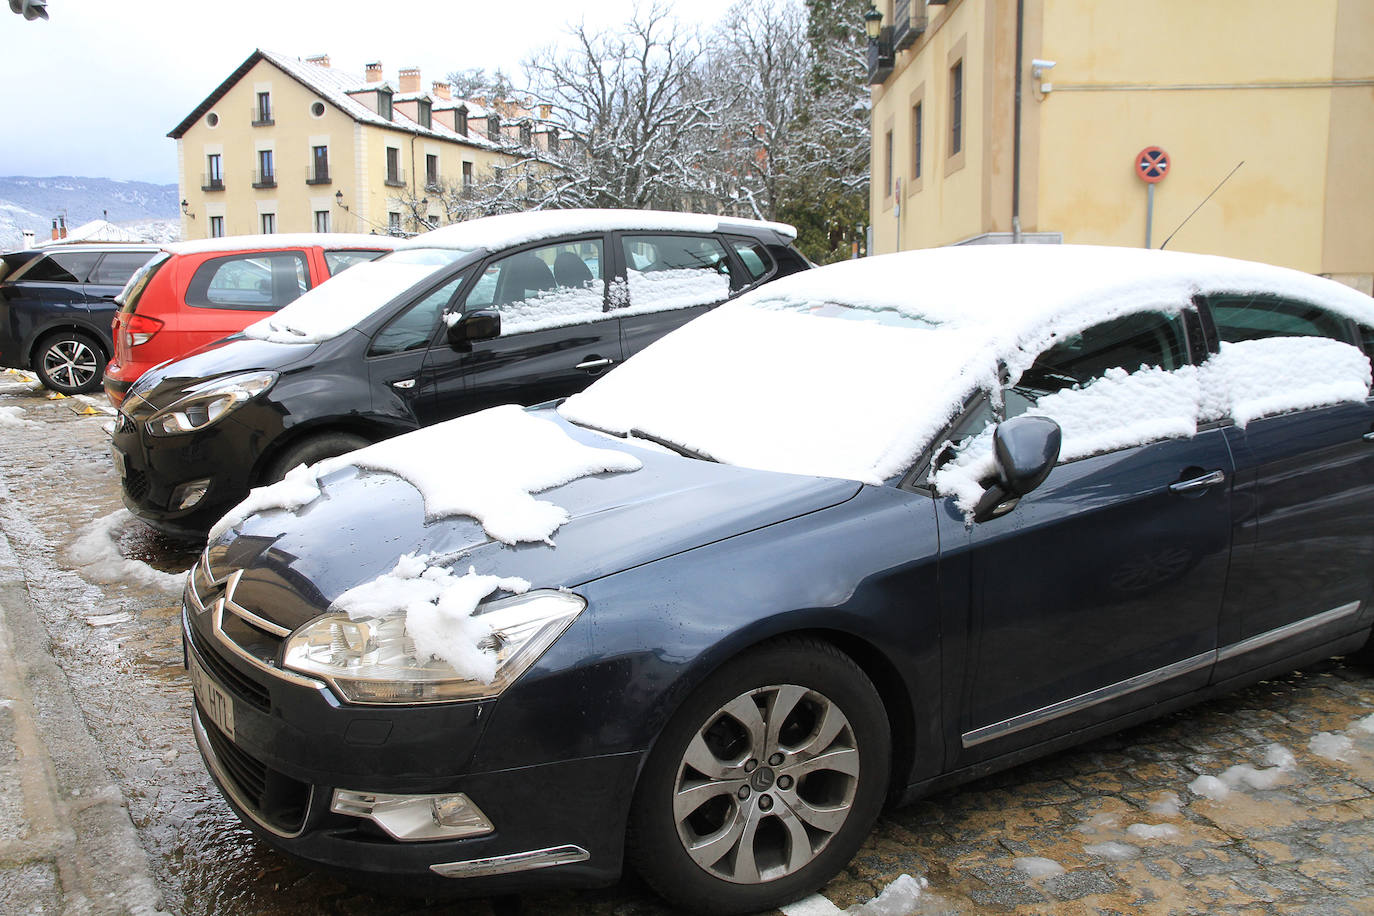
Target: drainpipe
{"x": 1016, "y": 131}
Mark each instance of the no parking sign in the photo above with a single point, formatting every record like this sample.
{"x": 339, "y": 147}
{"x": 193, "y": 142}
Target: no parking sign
{"x": 1152, "y": 164}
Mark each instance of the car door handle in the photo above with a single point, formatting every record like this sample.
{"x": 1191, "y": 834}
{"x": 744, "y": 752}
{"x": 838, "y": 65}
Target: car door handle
{"x": 404, "y": 384}
{"x": 1368, "y": 437}
{"x": 1198, "y": 483}
{"x": 598, "y": 362}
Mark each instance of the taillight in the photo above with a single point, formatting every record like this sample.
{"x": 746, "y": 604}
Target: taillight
{"x": 141, "y": 329}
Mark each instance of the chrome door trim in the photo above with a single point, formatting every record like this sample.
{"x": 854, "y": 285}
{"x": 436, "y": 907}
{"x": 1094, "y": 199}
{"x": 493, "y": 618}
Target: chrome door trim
{"x": 1198, "y": 483}
{"x": 513, "y": 862}
{"x": 1151, "y": 678}
{"x": 1083, "y": 701}
{"x": 1269, "y": 637}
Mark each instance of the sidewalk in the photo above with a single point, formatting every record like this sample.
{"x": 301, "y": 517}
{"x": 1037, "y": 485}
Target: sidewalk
{"x": 67, "y": 845}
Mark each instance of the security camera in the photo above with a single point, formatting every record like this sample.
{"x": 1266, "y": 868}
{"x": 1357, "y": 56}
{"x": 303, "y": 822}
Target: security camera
{"x": 1038, "y": 67}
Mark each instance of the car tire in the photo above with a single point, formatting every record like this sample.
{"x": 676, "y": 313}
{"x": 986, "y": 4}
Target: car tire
{"x": 70, "y": 362}
{"x": 310, "y": 450}
{"x": 732, "y": 813}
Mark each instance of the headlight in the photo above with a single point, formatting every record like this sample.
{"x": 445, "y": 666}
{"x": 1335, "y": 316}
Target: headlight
{"x": 205, "y": 403}
{"x": 373, "y": 661}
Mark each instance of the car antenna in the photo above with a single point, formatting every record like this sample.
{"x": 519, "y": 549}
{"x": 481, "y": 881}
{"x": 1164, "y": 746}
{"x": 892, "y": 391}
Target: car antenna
{"x": 1199, "y": 206}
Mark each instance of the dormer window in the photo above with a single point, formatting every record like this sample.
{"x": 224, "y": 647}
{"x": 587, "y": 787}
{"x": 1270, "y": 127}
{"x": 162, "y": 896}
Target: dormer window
{"x": 425, "y": 114}
{"x": 460, "y": 120}
{"x": 384, "y": 103}
{"x": 493, "y": 127}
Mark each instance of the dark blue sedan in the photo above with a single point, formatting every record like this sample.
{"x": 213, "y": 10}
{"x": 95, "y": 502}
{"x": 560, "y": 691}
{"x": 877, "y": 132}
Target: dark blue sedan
{"x": 866, "y": 532}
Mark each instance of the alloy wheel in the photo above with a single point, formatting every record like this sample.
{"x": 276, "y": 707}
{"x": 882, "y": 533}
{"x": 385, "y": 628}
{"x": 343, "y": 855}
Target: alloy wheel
{"x": 70, "y": 362}
{"x": 766, "y": 783}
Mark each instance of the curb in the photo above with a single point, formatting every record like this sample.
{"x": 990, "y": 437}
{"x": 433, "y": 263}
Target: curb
{"x": 74, "y": 824}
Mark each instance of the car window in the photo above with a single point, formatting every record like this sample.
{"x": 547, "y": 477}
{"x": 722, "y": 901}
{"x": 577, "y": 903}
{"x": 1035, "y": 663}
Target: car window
{"x": 62, "y": 267}
{"x": 757, "y": 262}
{"x": 1255, "y": 318}
{"x": 116, "y": 268}
{"x": 259, "y": 282}
{"x": 548, "y": 286}
{"x": 414, "y": 327}
{"x": 339, "y": 261}
{"x": 675, "y": 271}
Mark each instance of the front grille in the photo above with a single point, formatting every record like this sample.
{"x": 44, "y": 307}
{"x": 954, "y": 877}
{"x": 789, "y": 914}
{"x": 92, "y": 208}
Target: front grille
{"x": 135, "y": 484}
{"x": 243, "y": 687}
{"x": 277, "y": 800}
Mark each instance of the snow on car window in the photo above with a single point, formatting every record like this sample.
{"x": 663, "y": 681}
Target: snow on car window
{"x": 798, "y": 392}
{"x": 546, "y": 287}
{"x": 333, "y": 307}
{"x": 1259, "y": 378}
{"x": 675, "y": 271}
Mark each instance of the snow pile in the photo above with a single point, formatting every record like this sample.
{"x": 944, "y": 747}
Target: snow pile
{"x": 96, "y": 554}
{"x": 897, "y": 899}
{"x": 1280, "y": 762}
{"x": 333, "y": 307}
{"x": 1099, "y": 822}
{"x": 486, "y": 465}
{"x": 1153, "y": 831}
{"x": 13, "y": 417}
{"x": 1332, "y": 746}
{"x": 1036, "y": 867}
{"x": 1210, "y": 787}
{"x": 438, "y": 608}
{"x": 1166, "y": 804}
{"x": 1258, "y": 378}
{"x": 1116, "y": 852}
{"x": 677, "y": 288}
{"x": 1365, "y": 725}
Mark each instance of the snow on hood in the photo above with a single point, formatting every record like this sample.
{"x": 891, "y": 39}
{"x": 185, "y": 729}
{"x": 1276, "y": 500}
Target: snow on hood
{"x": 332, "y": 308}
{"x": 497, "y": 232}
{"x": 486, "y": 465}
{"x": 796, "y": 384}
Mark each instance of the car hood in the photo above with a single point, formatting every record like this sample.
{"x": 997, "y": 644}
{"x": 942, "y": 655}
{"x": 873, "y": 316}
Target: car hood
{"x": 296, "y": 562}
{"x": 165, "y": 382}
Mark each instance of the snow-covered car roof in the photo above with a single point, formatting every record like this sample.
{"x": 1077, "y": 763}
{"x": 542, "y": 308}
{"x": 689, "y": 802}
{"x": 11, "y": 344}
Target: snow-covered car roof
{"x": 797, "y": 385}
{"x": 493, "y": 232}
{"x": 330, "y": 240}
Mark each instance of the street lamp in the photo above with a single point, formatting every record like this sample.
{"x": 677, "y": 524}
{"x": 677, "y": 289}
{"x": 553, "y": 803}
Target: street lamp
{"x": 186, "y": 208}
{"x": 30, "y": 9}
{"x": 873, "y": 23}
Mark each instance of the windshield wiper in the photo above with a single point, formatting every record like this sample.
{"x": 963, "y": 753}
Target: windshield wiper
{"x": 682, "y": 450}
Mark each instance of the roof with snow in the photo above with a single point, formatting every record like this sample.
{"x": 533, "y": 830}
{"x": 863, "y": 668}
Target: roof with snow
{"x": 329, "y": 240}
{"x": 337, "y": 88}
{"x": 97, "y": 230}
{"x": 492, "y": 232}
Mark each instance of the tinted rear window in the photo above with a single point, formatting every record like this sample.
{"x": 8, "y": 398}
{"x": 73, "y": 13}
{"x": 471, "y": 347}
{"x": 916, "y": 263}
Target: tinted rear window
{"x": 115, "y": 269}
{"x": 62, "y": 267}
{"x": 262, "y": 281}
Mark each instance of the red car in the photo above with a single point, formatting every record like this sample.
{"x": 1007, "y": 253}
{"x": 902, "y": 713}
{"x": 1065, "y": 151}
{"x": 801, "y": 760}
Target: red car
{"x": 192, "y": 293}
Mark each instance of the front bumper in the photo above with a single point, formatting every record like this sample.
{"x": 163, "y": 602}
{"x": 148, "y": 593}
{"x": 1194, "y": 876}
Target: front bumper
{"x": 556, "y": 824}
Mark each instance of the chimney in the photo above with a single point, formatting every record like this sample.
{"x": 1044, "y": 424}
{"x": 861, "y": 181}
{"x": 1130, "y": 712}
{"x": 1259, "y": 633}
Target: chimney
{"x": 544, "y": 111}
{"x": 62, "y": 227}
{"x": 54, "y": 230}
{"x": 319, "y": 60}
{"x": 440, "y": 90}
{"x": 28, "y": 239}
{"x": 374, "y": 72}
{"x": 410, "y": 79}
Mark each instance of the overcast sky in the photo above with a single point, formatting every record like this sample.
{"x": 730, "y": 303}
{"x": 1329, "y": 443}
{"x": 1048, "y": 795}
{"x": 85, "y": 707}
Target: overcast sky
{"x": 94, "y": 90}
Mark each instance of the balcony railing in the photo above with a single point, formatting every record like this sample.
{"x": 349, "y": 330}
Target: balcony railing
{"x": 264, "y": 179}
{"x": 211, "y": 183}
{"x": 315, "y": 175}
{"x": 880, "y": 57}
{"x": 396, "y": 179}
{"x": 909, "y": 20}
{"x": 262, "y": 118}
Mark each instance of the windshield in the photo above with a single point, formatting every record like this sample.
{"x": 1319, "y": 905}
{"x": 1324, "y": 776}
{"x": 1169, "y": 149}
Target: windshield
{"x": 808, "y": 387}
{"x": 340, "y": 303}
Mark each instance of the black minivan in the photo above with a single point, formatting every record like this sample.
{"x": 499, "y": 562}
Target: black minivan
{"x": 520, "y": 308}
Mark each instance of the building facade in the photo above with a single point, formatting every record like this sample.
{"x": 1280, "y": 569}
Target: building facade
{"x": 1287, "y": 91}
{"x": 290, "y": 145}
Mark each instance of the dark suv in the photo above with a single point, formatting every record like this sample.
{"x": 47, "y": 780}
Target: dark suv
{"x": 56, "y": 309}
{"x": 520, "y": 308}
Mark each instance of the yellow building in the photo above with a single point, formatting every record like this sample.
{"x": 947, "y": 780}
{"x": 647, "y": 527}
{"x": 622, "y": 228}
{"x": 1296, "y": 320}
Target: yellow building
{"x": 1287, "y": 90}
{"x": 289, "y": 145}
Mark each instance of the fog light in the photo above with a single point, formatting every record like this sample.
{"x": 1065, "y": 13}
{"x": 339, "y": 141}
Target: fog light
{"x": 188, "y": 494}
{"x": 415, "y": 817}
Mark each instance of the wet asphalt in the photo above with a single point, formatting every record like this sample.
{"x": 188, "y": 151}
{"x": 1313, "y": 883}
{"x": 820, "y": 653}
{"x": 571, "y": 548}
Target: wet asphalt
{"x": 1110, "y": 827}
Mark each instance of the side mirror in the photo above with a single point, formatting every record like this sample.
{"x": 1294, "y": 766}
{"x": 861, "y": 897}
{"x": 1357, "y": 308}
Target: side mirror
{"x": 482, "y": 324}
{"x": 1024, "y": 450}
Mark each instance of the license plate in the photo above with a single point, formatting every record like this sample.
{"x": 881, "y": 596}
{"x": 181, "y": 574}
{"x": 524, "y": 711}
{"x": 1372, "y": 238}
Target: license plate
{"x": 118, "y": 457}
{"x": 218, "y": 705}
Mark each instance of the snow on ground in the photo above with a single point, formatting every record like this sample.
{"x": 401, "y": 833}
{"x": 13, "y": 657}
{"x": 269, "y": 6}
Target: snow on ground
{"x": 1116, "y": 852}
{"x": 1166, "y": 804}
{"x": 13, "y": 418}
{"x": 17, "y": 381}
{"x": 1153, "y": 831}
{"x": 1365, "y": 725}
{"x": 897, "y": 899}
{"x": 1035, "y": 867}
{"x": 1332, "y": 746}
{"x": 437, "y": 606}
{"x": 96, "y": 554}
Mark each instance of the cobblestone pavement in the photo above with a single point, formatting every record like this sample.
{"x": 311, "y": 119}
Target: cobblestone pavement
{"x": 1284, "y": 823}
